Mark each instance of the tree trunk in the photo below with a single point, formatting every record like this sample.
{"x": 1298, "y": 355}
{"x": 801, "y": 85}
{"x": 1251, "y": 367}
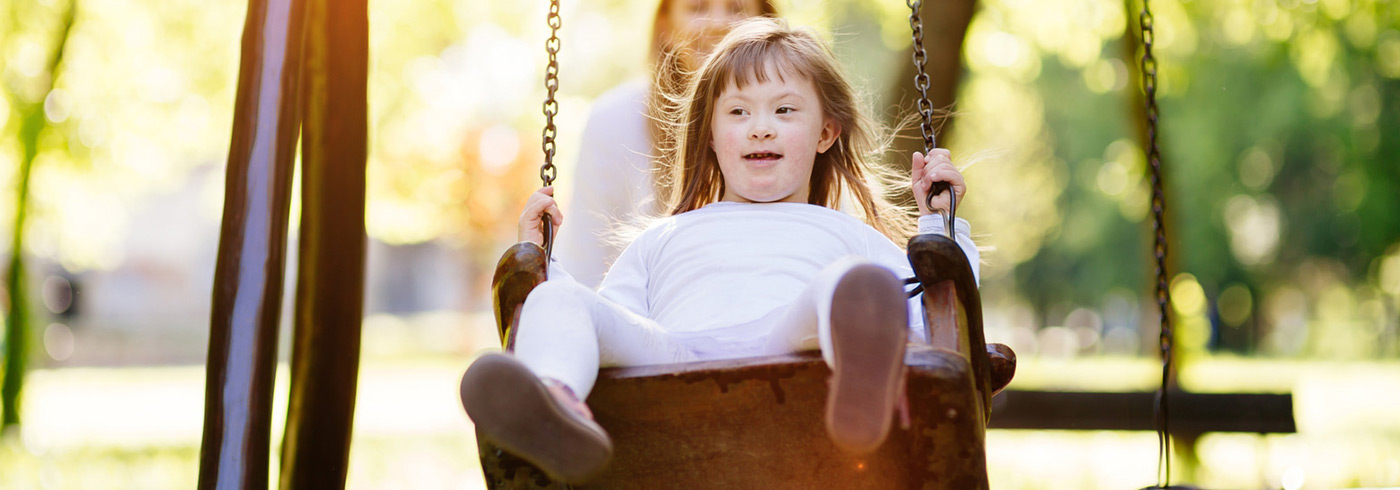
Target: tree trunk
{"x": 945, "y": 26}
{"x": 17, "y": 337}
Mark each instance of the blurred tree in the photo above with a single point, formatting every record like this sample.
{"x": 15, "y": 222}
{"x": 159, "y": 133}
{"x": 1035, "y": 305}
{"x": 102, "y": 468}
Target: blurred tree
{"x": 1274, "y": 111}
{"x": 31, "y": 98}
{"x": 1277, "y": 171}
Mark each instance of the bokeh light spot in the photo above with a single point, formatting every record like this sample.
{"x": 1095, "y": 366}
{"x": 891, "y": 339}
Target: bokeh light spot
{"x": 56, "y": 106}
{"x": 1254, "y": 227}
{"x": 58, "y": 294}
{"x": 500, "y": 145}
{"x": 1235, "y": 305}
{"x": 1113, "y": 178}
{"x": 1390, "y": 274}
{"x": 1256, "y": 169}
{"x": 1388, "y": 55}
{"x": 58, "y": 341}
{"x": 1187, "y": 296}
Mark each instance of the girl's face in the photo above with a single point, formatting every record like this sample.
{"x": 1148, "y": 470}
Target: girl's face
{"x": 766, "y": 137}
{"x": 707, "y": 21}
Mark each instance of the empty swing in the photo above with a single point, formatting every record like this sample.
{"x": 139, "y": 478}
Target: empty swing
{"x": 758, "y": 422}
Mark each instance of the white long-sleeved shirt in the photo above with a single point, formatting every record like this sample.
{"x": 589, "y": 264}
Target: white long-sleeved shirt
{"x": 731, "y": 263}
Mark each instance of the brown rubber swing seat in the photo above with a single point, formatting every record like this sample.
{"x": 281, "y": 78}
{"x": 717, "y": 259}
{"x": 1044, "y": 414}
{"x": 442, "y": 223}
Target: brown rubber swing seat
{"x": 759, "y": 422}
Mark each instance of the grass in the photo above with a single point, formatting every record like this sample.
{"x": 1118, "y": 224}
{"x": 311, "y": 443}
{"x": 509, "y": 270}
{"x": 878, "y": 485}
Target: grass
{"x": 139, "y": 428}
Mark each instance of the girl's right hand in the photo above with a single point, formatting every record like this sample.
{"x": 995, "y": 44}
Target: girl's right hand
{"x": 540, "y": 204}
{"x": 937, "y": 166}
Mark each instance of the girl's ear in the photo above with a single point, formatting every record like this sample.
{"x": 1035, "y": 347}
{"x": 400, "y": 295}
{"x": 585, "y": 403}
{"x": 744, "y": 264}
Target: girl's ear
{"x": 830, "y": 131}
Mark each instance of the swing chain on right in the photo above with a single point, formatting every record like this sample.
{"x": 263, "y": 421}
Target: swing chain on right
{"x": 1154, "y": 160}
{"x": 921, "y": 81}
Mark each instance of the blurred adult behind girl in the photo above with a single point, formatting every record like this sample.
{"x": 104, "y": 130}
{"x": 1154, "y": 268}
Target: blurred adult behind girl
{"x": 613, "y": 183}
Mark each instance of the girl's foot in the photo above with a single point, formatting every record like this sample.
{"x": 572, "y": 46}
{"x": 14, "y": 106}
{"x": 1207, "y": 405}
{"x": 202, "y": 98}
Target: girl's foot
{"x": 869, "y": 320}
{"x": 543, "y": 424}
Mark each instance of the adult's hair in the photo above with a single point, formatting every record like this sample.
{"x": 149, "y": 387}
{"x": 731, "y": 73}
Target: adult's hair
{"x": 663, "y": 33}
{"x": 754, "y": 51}
{"x": 671, "y": 59}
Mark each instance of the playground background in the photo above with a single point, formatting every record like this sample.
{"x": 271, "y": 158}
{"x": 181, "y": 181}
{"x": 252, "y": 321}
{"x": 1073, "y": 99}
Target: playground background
{"x": 1282, "y": 168}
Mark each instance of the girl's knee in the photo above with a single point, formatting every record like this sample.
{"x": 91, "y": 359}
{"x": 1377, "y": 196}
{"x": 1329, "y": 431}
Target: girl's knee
{"x": 845, "y": 264}
{"x": 556, "y": 294}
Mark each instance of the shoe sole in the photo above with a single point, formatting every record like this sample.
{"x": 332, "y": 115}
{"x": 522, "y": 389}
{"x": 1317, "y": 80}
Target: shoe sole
{"x": 869, "y": 320}
{"x": 512, "y": 408}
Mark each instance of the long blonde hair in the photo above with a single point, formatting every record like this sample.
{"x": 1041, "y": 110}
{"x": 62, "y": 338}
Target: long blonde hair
{"x": 692, "y": 178}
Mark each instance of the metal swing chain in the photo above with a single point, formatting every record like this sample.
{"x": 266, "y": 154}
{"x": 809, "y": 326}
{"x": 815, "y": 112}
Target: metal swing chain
{"x": 925, "y": 107}
{"x": 1154, "y": 160}
{"x": 916, "y": 24}
{"x": 921, "y": 82}
{"x": 551, "y": 108}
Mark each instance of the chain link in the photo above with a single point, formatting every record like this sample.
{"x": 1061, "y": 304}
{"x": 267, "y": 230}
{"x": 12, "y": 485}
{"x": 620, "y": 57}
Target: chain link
{"x": 551, "y": 85}
{"x": 921, "y": 81}
{"x": 551, "y": 108}
{"x": 1159, "y": 249}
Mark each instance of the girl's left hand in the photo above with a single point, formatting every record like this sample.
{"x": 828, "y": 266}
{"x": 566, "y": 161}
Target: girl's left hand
{"x": 936, "y": 167}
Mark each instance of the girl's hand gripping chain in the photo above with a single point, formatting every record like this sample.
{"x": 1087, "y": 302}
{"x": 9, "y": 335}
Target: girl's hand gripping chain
{"x": 937, "y": 166}
{"x": 540, "y": 204}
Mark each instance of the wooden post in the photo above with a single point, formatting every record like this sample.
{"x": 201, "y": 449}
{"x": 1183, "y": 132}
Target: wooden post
{"x": 247, "y": 292}
{"x": 331, "y": 260}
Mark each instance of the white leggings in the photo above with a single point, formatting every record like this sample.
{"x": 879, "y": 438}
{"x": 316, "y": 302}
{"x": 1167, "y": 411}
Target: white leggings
{"x": 568, "y": 331}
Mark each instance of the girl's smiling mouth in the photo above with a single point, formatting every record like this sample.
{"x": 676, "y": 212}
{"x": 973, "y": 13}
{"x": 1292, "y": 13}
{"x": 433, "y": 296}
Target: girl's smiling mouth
{"x": 763, "y": 157}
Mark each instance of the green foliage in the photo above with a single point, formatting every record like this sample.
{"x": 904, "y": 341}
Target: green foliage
{"x": 1279, "y": 179}
{"x": 33, "y": 117}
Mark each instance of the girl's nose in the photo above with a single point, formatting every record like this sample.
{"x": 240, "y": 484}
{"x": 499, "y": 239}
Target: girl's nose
{"x": 760, "y": 132}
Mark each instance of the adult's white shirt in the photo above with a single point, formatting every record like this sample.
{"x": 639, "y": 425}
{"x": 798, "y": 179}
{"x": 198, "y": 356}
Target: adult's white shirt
{"x": 612, "y": 183}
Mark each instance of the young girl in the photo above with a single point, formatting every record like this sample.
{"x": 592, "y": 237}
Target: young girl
{"x": 754, "y": 261}
{"x": 613, "y": 182}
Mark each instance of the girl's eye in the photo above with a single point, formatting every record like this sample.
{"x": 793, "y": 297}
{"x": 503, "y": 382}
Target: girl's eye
{"x": 736, "y": 112}
{"x": 785, "y": 110}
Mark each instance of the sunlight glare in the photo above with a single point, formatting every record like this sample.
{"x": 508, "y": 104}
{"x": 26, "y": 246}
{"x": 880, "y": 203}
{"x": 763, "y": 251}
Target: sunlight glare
{"x": 1003, "y": 49}
{"x": 1293, "y": 479}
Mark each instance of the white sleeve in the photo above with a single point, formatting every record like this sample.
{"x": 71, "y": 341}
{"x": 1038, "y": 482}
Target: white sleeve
{"x": 933, "y": 223}
{"x": 626, "y": 281}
